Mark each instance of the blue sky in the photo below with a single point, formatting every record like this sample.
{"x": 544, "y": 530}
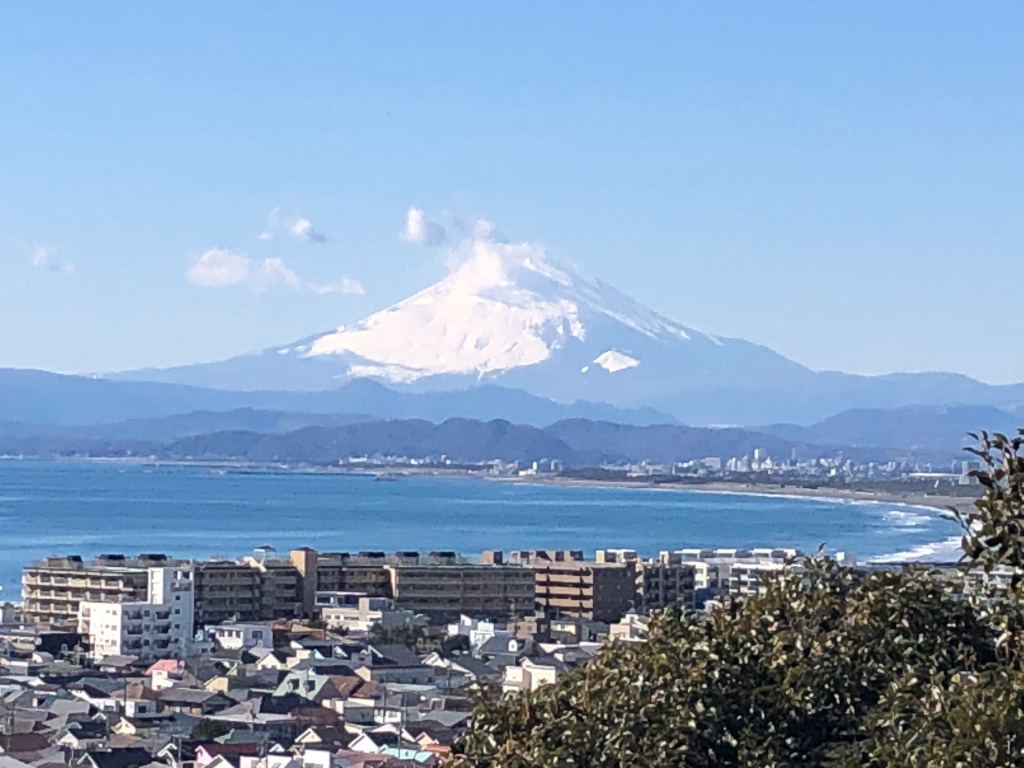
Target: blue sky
{"x": 841, "y": 182}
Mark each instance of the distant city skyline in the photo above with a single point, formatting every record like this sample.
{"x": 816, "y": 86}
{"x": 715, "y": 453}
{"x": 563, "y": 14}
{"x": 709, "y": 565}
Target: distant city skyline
{"x": 184, "y": 184}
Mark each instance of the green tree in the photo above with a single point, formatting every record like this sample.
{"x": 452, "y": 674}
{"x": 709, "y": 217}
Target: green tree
{"x": 207, "y": 730}
{"x": 401, "y": 634}
{"x": 829, "y": 666}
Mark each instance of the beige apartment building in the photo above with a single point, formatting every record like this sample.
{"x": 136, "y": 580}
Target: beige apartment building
{"x": 54, "y": 588}
{"x": 447, "y": 591}
{"x": 588, "y": 590}
{"x": 567, "y": 585}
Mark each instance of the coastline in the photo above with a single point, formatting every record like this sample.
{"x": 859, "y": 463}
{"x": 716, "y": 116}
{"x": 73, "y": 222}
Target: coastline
{"x": 938, "y": 502}
{"x": 941, "y": 503}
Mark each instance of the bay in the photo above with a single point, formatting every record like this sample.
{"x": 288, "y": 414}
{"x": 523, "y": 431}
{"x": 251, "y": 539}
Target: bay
{"x": 93, "y": 507}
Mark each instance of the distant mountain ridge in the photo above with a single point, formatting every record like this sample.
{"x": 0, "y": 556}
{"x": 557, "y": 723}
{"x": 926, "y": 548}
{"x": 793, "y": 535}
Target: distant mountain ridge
{"x": 29, "y": 397}
{"x": 925, "y": 428}
{"x": 264, "y": 436}
{"x": 577, "y": 442}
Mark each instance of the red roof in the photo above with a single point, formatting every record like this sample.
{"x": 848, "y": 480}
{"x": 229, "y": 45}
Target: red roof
{"x": 164, "y": 665}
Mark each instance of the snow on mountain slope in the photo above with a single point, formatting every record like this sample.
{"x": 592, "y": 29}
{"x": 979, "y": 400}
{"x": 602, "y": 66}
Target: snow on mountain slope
{"x": 509, "y": 314}
{"x": 504, "y": 306}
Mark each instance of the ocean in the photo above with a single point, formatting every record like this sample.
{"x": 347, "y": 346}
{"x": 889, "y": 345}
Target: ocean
{"x": 93, "y": 507}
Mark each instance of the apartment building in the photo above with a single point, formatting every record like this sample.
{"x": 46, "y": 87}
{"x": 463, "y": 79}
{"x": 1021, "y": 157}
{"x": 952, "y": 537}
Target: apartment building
{"x": 158, "y": 627}
{"x": 360, "y": 572}
{"x": 257, "y": 588}
{"x": 567, "y": 585}
{"x": 282, "y": 588}
{"x": 447, "y": 591}
{"x": 665, "y": 581}
{"x": 226, "y": 590}
{"x": 53, "y": 588}
{"x": 736, "y": 571}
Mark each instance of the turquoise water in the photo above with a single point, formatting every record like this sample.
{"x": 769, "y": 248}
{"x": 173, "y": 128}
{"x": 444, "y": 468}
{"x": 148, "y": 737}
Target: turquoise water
{"x": 94, "y": 507}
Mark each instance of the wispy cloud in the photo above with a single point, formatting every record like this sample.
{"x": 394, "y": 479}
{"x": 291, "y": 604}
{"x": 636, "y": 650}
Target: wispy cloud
{"x": 218, "y": 268}
{"x": 222, "y": 268}
{"x": 45, "y": 257}
{"x": 421, "y": 230}
{"x": 297, "y": 227}
{"x": 272, "y": 272}
{"x": 345, "y": 285}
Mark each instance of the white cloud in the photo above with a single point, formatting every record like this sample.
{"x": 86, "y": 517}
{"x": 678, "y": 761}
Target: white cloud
{"x": 298, "y": 227}
{"x": 219, "y": 267}
{"x": 345, "y": 285}
{"x": 420, "y": 229}
{"x": 271, "y": 272}
{"x": 45, "y": 257}
{"x": 303, "y": 229}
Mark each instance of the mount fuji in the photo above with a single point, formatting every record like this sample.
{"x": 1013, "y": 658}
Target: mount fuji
{"x": 509, "y": 314}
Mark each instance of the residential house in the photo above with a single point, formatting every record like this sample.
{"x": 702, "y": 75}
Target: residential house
{"x": 207, "y": 753}
{"x": 531, "y": 674}
{"x": 455, "y": 672}
{"x": 197, "y": 703}
{"x": 127, "y": 757}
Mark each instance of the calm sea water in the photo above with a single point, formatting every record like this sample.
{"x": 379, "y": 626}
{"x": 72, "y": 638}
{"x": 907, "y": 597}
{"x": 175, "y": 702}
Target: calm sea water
{"x": 94, "y": 507}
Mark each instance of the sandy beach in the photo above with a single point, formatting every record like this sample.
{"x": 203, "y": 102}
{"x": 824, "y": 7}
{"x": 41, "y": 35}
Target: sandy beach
{"x": 942, "y": 502}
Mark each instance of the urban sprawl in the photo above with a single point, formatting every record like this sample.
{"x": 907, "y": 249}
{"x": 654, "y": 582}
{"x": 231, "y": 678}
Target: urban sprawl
{"x": 328, "y": 660}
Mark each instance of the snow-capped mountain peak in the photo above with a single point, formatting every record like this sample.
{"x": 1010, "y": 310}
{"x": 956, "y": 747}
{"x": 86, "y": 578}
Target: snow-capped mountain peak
{"x": 508, "y": 313}
{"x": 503, "y": 306}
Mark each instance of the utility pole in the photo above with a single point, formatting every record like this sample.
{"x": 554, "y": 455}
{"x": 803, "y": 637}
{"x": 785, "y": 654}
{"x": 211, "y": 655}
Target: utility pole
{"x": 10, "y": 727}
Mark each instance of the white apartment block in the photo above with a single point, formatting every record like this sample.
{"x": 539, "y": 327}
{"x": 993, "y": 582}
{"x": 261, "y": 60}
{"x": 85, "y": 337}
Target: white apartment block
{"x": 159, "y": 628}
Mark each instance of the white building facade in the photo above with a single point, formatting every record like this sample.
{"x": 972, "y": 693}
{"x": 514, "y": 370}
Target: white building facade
{"x": 160, "y": 628}
{"x": 234, "y": 636}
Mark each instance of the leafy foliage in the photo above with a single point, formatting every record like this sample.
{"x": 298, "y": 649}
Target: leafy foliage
{"x": 828, "y": 666}
{"x": 207, "y": 730}
{"x": 400, "y": 634}
{"x": 993, "y": 532}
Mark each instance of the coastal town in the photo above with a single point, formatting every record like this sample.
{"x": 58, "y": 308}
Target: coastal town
{"x": 306, "y": 658}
